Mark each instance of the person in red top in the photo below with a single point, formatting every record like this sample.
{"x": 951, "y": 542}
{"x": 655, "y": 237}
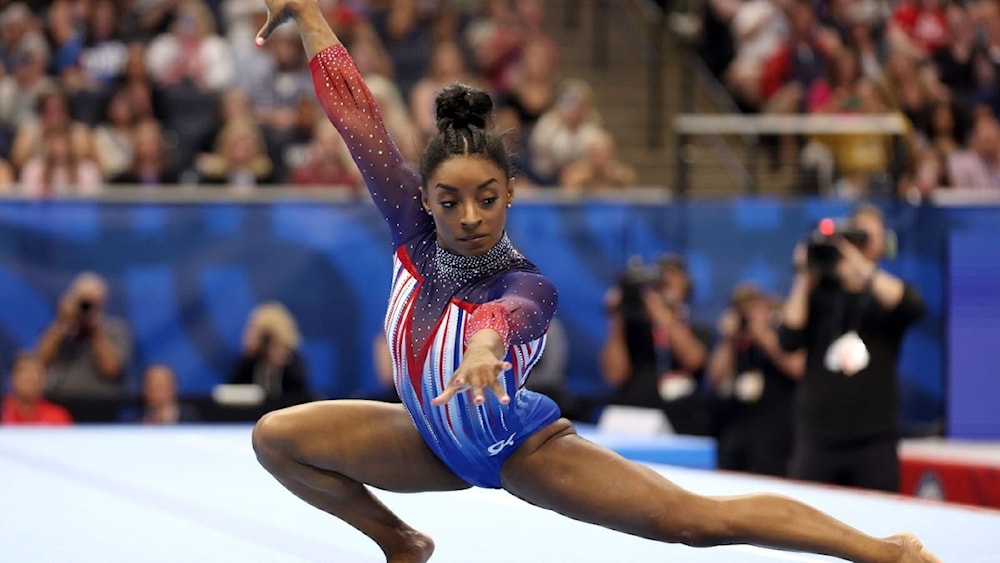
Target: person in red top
{"x": 919, "y": 26}
{"x": 25, "y": 404}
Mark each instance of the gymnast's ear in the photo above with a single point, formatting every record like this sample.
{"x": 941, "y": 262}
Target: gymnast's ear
{"x": 424, "y": 202}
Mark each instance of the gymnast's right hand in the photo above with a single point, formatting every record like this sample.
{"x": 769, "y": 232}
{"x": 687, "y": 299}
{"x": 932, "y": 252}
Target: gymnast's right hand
{"x": 480, "y": 369}
{"x": 278, "y": 12}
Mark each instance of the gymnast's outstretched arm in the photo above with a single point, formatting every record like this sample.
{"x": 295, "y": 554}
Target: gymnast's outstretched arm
{"x": 352, "y": 108}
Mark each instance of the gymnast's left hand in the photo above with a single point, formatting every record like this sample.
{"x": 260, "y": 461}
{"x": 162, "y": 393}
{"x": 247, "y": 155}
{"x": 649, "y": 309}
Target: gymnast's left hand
{"x": 480, "y": 370}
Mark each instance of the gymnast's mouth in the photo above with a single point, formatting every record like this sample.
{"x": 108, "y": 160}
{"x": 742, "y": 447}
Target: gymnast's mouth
{"x": 473, "y": 237}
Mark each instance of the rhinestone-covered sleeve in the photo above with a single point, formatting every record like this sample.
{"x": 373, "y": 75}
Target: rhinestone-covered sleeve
{"x": 527, "y": 303}
{"x": 352, "y": 109}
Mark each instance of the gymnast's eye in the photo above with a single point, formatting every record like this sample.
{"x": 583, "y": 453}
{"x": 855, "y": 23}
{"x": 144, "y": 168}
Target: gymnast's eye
{"x": 489, "y": 201}
{"x": 447, "y": 204}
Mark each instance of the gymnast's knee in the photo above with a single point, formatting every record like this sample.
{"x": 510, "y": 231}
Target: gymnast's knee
{"x": 272, "y": 435}
{"x": 695, "y": 528}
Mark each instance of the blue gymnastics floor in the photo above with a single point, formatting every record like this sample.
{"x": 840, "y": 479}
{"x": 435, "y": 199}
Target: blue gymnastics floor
{"x": 196, "y": 494}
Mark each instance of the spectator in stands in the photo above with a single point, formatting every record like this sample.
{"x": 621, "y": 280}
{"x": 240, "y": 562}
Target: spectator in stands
{"x": 598, "y": 169}
{"x": 908, "y": 93}
{"x": 135, "y": 81}
{"x": 60, "y": 170}
{"x": 23, "y": 87}
{"x": 956, "y": 61}
{"x": 850, "y": 317}
{"x": 239, "y": 158}
{"x": 918, "y": 27}
{"x": 270, "y": 356}
{"x": 113, "y": 138}
{"x": 861, "y": 160}
{"x": 945, "y": 128}
{"x": 496, "y": 40}
{"x": 654, "y": 355}
{"x": 191, "y": 52}
{"x": 65, "y": 34}
{"x": 757, "y": 27}
{"x": 446, "y": 67}
{"x": 51, "y": 115}
{"x": 406, "y": 30}
{"x": 925, "y": 174}
{"x": 796, "y": 62}
{"x": 864, "y": 21}
{"x": 531, "y": 20}
{"x": 99, "y": 65}
{"x": 533, "y": 90}
{"x": 507, "y": 120}
{"x": 327, "y": 162}
{"x": 85, "y": 351}
{"x": 978, "y": 166}
{"x": 160, "y": 402}
{"x": 562, "y": 133}
{"x": 20, "y": 33}
{"x": 25, "y": 403}
{"x": 151, "y": 163}
{"x": 754, "y": 380}
{"x": 277, "y": 93}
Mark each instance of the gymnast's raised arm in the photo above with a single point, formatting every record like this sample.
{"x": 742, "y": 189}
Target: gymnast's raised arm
{"x": 350, "y": 106}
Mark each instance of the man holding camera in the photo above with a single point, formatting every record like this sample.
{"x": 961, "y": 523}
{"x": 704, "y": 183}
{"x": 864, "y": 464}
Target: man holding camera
{"x": 754, "y": 381}
{"x": 653, "y": 355}
{"x": 850, "y": 316}
{"x": 84, "y": 351}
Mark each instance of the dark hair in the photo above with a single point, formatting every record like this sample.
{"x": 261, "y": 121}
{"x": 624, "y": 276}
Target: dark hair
{"x": 463, "y": 120}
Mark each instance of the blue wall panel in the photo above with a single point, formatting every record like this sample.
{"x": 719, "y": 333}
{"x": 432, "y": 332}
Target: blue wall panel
{"x": 186, "y": 275}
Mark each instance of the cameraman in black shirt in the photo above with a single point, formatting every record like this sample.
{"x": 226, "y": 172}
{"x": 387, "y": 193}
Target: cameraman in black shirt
{"x": 850, "y": 317}
{"x": 754, "y": 381}
{"x": 654, "y": 355}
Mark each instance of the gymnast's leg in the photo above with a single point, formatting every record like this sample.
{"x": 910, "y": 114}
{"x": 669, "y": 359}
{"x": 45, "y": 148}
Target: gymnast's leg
{"x": 558, "y": 470}
{"x": 326, "y": 452}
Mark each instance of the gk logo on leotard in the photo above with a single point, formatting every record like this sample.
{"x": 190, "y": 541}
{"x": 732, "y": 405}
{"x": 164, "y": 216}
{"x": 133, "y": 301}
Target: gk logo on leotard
{"x": 499, "y": 446}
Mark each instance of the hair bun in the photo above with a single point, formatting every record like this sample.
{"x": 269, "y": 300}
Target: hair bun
{"x": 460, "y": 106}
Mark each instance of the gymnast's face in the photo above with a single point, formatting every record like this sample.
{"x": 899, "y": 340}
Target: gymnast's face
{"x": 468, "y": 197}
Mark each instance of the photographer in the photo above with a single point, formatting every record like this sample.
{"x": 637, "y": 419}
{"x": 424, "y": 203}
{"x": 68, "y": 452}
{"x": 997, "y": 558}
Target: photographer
{"x": 653, "y": 355}
{"x": 850, "y": 317}
{"x": 83, "y": 350}
{"x": 270, "y": 356}
{"x": 754, "y": 380}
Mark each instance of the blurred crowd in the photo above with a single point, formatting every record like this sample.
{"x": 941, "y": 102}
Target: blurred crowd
{"x": 934, "y": 62}
{"x": 100, "y": 93}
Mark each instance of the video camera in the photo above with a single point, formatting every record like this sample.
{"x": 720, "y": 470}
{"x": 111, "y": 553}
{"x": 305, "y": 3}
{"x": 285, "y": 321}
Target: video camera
{"x": 633, "y": 284}
{"x": 822, "y": 254}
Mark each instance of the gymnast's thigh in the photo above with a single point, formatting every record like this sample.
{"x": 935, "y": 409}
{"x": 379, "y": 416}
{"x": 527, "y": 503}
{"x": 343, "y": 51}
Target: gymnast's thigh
{"x": 561, "y": 471}
{"x": 369, "y": 441}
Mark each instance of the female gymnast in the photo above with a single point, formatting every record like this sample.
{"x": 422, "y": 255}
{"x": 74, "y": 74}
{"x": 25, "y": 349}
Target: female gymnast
{"x": 466, "y": 321}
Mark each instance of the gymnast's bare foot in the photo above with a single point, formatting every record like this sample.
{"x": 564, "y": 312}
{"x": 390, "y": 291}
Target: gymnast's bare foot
{"x": 413, "y": 548}
{"x": 913, "y": 550}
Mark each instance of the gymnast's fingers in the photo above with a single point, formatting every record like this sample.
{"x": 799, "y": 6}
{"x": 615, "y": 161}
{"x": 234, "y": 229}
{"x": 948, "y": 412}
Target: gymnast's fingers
{"x": 274, "y": 19}
{"x": 500, "y": 392}
{"x": 454, "y": 386}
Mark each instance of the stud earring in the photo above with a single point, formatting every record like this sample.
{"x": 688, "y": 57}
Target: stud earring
{"x": 508, "y": 205}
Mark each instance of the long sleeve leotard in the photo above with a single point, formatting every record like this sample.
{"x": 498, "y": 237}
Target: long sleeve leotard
{"x": 436, "y": 294}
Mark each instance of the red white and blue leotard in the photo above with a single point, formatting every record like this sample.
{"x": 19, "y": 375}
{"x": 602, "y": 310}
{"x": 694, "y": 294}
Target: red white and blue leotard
{"x": 439, "y": 298}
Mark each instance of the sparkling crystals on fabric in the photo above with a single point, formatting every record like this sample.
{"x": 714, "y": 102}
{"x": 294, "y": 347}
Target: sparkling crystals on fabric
{"x": 492, "y": 315}
{"x": 458, "y": 268}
